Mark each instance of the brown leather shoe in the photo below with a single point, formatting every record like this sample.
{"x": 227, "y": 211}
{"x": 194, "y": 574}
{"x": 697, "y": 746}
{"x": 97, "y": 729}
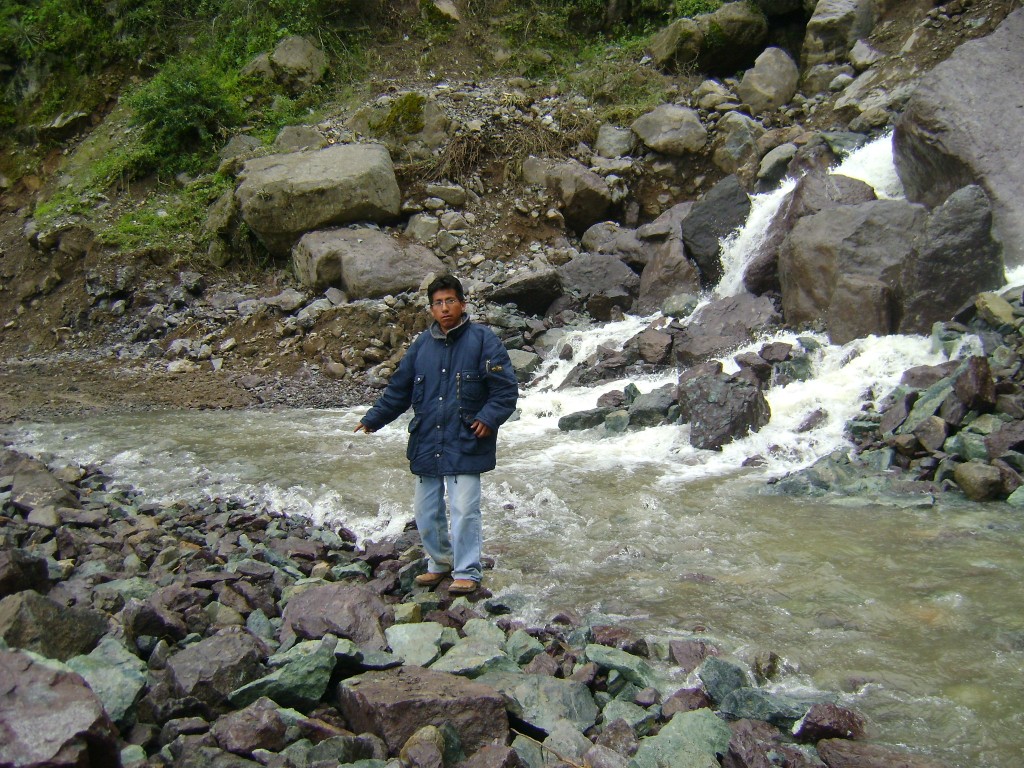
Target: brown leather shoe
{"x": 463, "y": 587}
{"x": 431, "y": 579}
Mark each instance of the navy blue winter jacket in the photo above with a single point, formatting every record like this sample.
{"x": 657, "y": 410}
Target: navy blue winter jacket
{"x": 450, "y": 381}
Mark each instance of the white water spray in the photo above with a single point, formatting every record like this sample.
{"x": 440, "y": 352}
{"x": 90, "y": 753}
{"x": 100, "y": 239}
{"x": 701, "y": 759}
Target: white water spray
{"x": 808, "y": 417}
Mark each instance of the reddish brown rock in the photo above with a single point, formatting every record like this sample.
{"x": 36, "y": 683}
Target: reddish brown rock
{"x": 50, "y": 717}
{"x": 396, "y": 703}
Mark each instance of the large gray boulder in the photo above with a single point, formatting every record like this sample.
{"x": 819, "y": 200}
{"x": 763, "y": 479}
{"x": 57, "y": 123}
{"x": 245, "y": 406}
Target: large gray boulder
{"x": 50, "y": 717}
{"x": 609, "y": 237}
{"x": 771, "y": 82}
{"x": 600, "y": 280}
{"x": 722, "y": 325}
{"x": 677, "y": 47}
{"x": 365, "y": 263}
{"x": 411, "y": 124}
{"x": 296, "y": 63}
{"x": 282, "y": 197}
{"x": 815, "y": 191}
{"x": 964, "y": 125}
{"x": 720, "y": 42}
{"x": 582, "y": 195}
{"x": 736, "y": 148}
{"x": 842, "y": 267}
{"x": 669, "y": 273}
{"x": 671, "y": 130}
{"x": 396, "y": 703}
{"x": 733, "y": 35}
{"x": 956, "y": 259}
{"x": 532, "y": 293}
{"x": 833, "y": 29}
{"x": 721, "y": 211}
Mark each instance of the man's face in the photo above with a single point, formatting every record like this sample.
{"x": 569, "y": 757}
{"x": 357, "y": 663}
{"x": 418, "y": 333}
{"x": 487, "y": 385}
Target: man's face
{"x": 447, "y": 308}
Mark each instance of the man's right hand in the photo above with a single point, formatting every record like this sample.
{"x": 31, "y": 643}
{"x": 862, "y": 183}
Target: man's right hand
{"x": 360, "y": 427}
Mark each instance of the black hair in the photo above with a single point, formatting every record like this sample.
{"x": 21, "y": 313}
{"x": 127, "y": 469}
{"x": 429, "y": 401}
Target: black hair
{"x": 445, "y": 283}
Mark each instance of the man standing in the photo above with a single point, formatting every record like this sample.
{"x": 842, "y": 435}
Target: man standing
{"x": 459, "y": 380}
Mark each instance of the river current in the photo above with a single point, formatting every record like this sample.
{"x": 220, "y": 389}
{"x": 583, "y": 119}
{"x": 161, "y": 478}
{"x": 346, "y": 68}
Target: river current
{"x": 910, "y": 611}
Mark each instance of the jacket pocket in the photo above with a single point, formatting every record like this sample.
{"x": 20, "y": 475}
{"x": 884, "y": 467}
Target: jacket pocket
{"x": 414, "y": 438}
{"x": 418, "y": 388}
{"x": 470, "y": 444}
{"x": 471, "y": 390}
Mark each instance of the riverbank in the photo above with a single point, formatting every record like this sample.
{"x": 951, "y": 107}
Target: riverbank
{"x": 226, "y": 633}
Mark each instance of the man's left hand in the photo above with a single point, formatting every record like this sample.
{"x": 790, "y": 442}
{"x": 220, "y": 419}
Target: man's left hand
{"x": 480, "y": 429}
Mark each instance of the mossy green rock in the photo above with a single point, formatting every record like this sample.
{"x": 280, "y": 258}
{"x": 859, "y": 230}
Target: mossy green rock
{"x": 689, "y": 740}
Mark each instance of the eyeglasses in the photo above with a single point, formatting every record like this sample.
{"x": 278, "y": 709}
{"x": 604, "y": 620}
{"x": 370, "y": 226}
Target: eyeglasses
{"x": 445, "y": 303}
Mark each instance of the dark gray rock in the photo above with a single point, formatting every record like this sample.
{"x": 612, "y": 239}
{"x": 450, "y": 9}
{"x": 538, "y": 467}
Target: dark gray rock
{"x": 583, "y": 419}
{"x": 36, "y": 623}
{"x": 532, "y": 293}
{"x": 652, "y": 408}
{"x": 956, "y": 258}
{"x": 212, "y": 668}
{"x": 957, "y": 130}
{"x": 20, "y": 570}
{"x": 599, "y": 274}
{"x": 616, "y": 240}
{"x": 654, "y": 346}
{"x": 721, "y": 211}
{"x": 258, "y": 726}
{"x": 584, "y": 196}
{"x": 974, "y": 386}
{"x": 668, "y": 273}
{"x": 829, "y": 721}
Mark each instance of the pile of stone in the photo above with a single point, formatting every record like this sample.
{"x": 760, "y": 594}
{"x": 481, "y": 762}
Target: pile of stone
{"x": 957, "y": 426}
{"x": 227, "y": 634}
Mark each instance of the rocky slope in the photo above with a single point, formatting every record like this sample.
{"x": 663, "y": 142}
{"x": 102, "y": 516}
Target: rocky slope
{"x": 231, "y": 337}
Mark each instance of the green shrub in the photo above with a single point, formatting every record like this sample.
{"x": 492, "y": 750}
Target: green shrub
{"x": 183, "y": 110}
{"x": 690, "y": 8}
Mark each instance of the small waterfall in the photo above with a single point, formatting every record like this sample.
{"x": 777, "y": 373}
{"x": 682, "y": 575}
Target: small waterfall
{"x": 844, "y": 378}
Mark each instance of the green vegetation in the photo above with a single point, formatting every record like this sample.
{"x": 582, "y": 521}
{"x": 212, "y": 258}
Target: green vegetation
{"x": 690, "y": 8}
{"x": 166, "y": 75}
{"x": 404, "y": 117}
{"x": 181, "y": 111}
{"x": 171, "y": 218}
{"x": 610, "y": 75}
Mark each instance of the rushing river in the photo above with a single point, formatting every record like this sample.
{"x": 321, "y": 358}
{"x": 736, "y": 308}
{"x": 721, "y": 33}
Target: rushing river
{"x": 910, "y": 612}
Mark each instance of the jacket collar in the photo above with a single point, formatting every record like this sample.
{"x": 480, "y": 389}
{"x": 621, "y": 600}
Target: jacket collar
{"x": 437, "y": 333}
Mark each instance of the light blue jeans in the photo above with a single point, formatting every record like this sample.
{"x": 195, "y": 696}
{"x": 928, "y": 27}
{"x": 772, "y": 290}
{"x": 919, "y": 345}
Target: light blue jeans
{"x": 459, "y": 550}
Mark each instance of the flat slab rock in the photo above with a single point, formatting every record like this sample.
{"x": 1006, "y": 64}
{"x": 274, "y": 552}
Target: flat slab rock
{"x": 395, "y": 703}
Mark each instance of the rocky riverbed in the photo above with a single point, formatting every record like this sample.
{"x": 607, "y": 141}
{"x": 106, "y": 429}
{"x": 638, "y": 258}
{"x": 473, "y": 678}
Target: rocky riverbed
{"x": 226, "y": 634}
